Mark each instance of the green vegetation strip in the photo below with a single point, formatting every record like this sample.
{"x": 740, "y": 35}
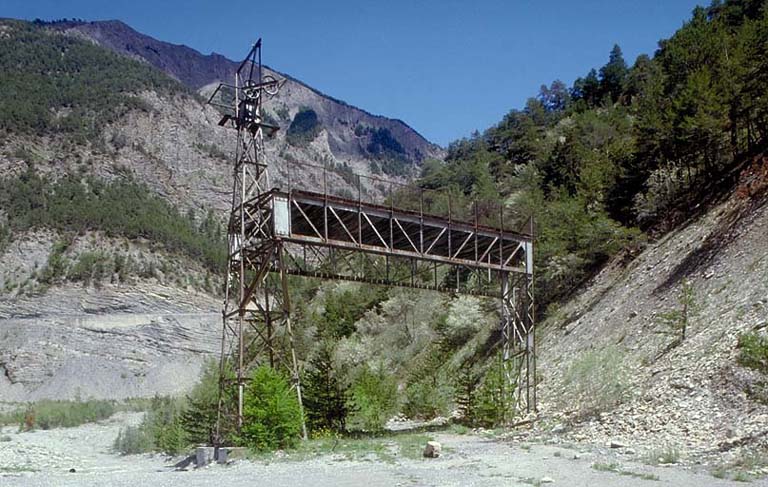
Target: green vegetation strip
{"x": 47, "y": 414}
{"x": 118, "y": 208}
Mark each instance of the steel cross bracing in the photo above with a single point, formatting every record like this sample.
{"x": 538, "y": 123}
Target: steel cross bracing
{"x": 279, "y": 232}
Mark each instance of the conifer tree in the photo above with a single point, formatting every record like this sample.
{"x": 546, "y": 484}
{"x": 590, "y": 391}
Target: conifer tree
{"x": 325, "y": 397}
{"x": 613, "y": 74}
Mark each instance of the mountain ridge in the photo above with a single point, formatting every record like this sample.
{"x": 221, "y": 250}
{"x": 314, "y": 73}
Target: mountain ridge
{"x": 197, "y": 71}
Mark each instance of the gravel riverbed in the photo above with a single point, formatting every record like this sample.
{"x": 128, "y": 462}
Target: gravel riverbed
{"x": 45, "y": 458}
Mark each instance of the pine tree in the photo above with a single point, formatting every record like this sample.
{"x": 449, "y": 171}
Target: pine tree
{"x": 325, "y": 398}
{"x": 200, "y": 413}
{"x": 590, "y": 88}
{"x": 466, "y": 400}
{"x": 613, "y": 74}
{"x": 495, "y": 404}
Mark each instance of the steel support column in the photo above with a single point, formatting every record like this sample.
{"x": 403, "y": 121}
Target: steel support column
{"x": 518, "y": 339}
{"x": 256, "y": 314}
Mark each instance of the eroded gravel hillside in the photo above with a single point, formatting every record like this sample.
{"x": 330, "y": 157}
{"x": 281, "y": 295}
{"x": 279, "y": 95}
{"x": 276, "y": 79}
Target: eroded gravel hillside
{"x": 113, "y": 342}
{"x": 694, "y": 396}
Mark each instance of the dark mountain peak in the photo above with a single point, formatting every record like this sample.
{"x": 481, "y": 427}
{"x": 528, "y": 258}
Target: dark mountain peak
{"x": 183, "y": 63}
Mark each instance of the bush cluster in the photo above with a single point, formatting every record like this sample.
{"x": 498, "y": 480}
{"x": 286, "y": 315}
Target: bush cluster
{"x": 172, "y": 425}
{"x": 160, "y": 430}
{"x": 373, "y": 399}
{"x": 271, "y": 414}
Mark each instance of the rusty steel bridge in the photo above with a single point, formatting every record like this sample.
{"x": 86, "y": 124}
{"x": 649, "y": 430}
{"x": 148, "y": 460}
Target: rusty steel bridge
{"x": 378, "y": 231}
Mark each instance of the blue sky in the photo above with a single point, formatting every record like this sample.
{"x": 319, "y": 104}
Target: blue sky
{"x": 445, "y": 67}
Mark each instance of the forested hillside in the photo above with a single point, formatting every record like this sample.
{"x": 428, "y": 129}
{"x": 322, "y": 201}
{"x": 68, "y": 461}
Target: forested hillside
{"x": 54, "y": 84}
{"x": 626, "y": 152}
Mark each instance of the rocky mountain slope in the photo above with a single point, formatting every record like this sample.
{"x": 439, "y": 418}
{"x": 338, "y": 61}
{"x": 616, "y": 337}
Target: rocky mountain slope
{"x": 199, "y": 72}
{"x": 612, "y": 343}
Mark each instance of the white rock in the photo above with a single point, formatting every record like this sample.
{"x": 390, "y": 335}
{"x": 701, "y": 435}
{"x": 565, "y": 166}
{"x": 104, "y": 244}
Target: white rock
{"x": 432, "y": 450}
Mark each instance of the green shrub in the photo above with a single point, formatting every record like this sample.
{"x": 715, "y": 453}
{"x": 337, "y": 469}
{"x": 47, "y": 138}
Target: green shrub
{"x": 91, "y": 266}
{"x": 753, "y": 351}
{"x": 56, "y": 267}
{"x": 678, "y": 320}
{"x": 165, "y": 426}
{"x": 5, "y": 237}
{"x": 666, "y": 455}
{"x": 466, "y": 392}
{"x": 271, "y": 413}
{"x": 485, "y": 398}
{"x": 427, "y": 398}
{"x": 495, "y": 397}
{"x": 171, "y": 425}
{"x": 160, "y": 430}
{"x": 133, "y": 440}
{"x": 200, "y": 412}
{"x": 463, "y": 321}
{"x": 373, "y": 399}
{"x": 596, "y": 381}
{"x": 342, "y": 309}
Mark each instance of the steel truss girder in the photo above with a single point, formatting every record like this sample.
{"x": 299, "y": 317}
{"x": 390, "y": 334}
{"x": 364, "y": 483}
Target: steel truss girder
{"x": 319, "y": 220}
{"x": 328, "y": 245}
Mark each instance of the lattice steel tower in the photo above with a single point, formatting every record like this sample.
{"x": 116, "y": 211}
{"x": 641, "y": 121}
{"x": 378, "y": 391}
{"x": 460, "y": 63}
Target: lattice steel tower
{"x": 256, "y": 314}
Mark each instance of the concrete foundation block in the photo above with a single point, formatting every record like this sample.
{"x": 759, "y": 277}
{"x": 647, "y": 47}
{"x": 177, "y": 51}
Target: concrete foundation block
{"x": 204, "y": 455}
{"x": 226, "y": 454}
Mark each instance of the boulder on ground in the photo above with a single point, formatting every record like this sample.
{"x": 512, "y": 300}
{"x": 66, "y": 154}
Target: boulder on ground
{"x": 432, "y": 450}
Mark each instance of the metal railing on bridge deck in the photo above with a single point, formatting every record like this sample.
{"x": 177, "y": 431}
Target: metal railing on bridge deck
{"x": 340, "y": 181}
